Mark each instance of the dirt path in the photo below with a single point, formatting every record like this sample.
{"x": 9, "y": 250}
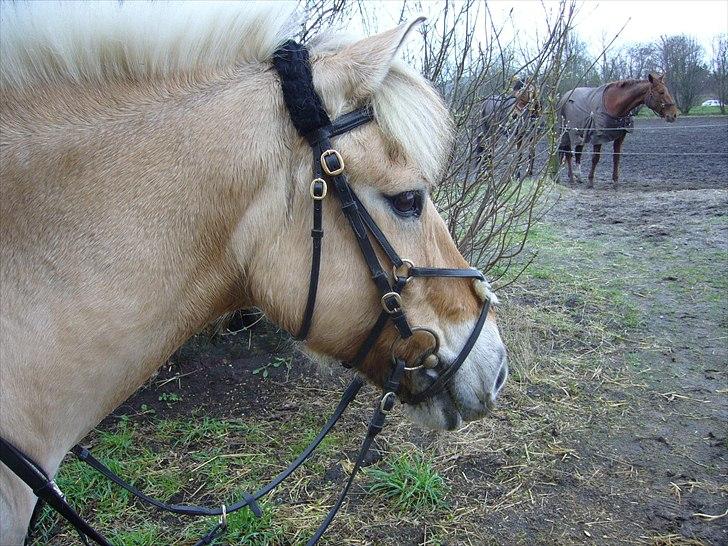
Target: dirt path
{"x": 667, "y": 458}
{"x": 688, "y": 154}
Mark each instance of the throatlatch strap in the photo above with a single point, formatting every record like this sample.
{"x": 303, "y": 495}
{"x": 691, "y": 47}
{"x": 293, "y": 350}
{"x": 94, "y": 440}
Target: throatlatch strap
{"x": 319, "y": 140}
{"x": 317, "y": 234}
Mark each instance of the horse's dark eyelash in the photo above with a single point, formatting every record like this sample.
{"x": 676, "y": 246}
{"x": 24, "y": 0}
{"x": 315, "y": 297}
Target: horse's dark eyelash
{"x": 420, "y": 196}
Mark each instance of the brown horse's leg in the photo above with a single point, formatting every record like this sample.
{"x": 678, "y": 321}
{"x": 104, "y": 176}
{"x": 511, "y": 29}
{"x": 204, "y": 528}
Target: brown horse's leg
{"x": 570, "y": 168}
{"x": 596, "y": 152}
{"x": 578, "y": 151}
{"x": 616, "y": 156}
{"x": 531, "y": 160}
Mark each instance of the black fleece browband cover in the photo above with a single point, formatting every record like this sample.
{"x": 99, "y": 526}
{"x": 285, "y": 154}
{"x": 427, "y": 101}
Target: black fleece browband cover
{"x": 292, "y": 63}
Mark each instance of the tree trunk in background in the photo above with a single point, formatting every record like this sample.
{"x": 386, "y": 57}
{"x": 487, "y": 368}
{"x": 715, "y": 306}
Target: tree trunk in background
{"x": 719, "y": 75}
{"x": 682, "y": 64}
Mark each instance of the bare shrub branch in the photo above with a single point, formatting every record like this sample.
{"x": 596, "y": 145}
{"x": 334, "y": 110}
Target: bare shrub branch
{"x": 486, "y": 198}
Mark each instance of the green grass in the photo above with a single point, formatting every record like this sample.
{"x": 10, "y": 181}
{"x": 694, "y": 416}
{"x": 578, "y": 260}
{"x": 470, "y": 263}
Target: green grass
{"x": 694, "y": 111}
{"x": 410, "y": 482}
{"x": 582, "y": 295}
{"x": 245, "y": 528}
{"x": 146, "y": 534}
{"x": 216, "y": 457}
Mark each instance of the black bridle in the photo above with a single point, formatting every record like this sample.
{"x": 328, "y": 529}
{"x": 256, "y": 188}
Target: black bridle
{"x": 657, "y": 105}
{"x": 312, "y": 123}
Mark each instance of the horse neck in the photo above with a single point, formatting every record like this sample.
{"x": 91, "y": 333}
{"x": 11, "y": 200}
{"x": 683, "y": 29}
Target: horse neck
{"x": 144, "y": 200}
{"x": 621, "y": 100}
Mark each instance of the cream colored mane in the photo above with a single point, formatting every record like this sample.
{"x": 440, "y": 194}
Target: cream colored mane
{"x": 92, "y": 42}
{"x": 48, "y": 43}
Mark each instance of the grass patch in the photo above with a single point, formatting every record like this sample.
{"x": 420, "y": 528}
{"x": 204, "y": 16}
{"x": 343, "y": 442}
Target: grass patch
{"x": 245, "y": 528}
{"x": 410, "y": 482}
{"x": 201, "y": 460}
{"x": 694, "y": 111}
{"x": 147, "y": 534}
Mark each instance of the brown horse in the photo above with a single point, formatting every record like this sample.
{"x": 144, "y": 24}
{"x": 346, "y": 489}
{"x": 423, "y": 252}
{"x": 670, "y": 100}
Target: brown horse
{"x": 152, "y": 180}
{"x": 604, "y": 114}
{"x": 511, "y": 117}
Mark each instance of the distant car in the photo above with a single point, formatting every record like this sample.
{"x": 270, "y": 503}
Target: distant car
{"x": 711, "y": 102}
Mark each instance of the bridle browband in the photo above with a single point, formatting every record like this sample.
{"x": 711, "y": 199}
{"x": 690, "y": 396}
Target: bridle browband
{"x": 306, "y": 111}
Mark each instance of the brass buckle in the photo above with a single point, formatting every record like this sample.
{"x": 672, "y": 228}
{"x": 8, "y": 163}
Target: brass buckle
{"x": 397, "y": 299}
{"x": 405, "y": 263}
{"x": 325, "y": 167}
{"x": 312, "y": 189}
{"x": 422, "y": 361}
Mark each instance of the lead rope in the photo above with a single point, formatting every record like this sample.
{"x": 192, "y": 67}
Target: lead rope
{"x": 384, "y": 405}
{"x": 376, "y": 423}
{"x": 46, "y": 489}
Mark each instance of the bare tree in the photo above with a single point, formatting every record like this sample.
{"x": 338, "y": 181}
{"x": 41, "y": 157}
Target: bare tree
{"x": 322, "y": 14}
{"x": 487, "y": 203}
{"x": 642, "y": 58}
{"x": 719, "y": 66}
{"x": 613, "y": 62}
{"x": 578, "y": 67}
{"x": 488, "y": 207}
{"x": 681, "y": 57}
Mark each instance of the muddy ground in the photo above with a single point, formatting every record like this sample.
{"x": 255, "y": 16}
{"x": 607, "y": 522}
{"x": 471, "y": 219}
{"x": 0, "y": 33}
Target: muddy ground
{"x": 613, "y": 428}
{"x": 689, "y": 154}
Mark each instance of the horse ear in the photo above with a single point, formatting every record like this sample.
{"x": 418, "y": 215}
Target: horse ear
{"x": 651, "y": 77}
{"x": 359, "y": 68}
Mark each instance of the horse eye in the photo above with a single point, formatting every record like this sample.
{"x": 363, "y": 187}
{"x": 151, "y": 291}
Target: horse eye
{"x": 407, "y": 203}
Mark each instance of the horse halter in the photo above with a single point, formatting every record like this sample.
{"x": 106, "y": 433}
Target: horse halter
{"x": 312, "y": 123}
{"x": 650, "y": 102}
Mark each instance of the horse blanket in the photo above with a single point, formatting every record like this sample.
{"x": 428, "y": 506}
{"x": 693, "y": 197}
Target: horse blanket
{"x": 496, "y": 113}
{"x": 585, "y": 120}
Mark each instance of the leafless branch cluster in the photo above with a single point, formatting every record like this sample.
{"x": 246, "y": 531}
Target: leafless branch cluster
{"x": 488, "y": 196}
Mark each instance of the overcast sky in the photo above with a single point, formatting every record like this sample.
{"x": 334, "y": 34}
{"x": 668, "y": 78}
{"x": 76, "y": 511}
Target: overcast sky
{"x": 645, "y": 20}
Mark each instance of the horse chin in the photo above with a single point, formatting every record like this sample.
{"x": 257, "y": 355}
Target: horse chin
{"x": 439, "y": 413}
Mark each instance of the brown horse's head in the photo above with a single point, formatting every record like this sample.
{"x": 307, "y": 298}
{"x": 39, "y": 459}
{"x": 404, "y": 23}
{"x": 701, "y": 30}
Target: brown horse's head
{"x": 527, "y": 99}
{"x": 392, "y": 164}
{"x": 659, "y": 99}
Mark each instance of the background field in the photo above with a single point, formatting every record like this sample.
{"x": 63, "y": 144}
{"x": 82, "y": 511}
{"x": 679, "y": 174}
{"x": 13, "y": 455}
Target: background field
{"x": 612, "y": 429}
